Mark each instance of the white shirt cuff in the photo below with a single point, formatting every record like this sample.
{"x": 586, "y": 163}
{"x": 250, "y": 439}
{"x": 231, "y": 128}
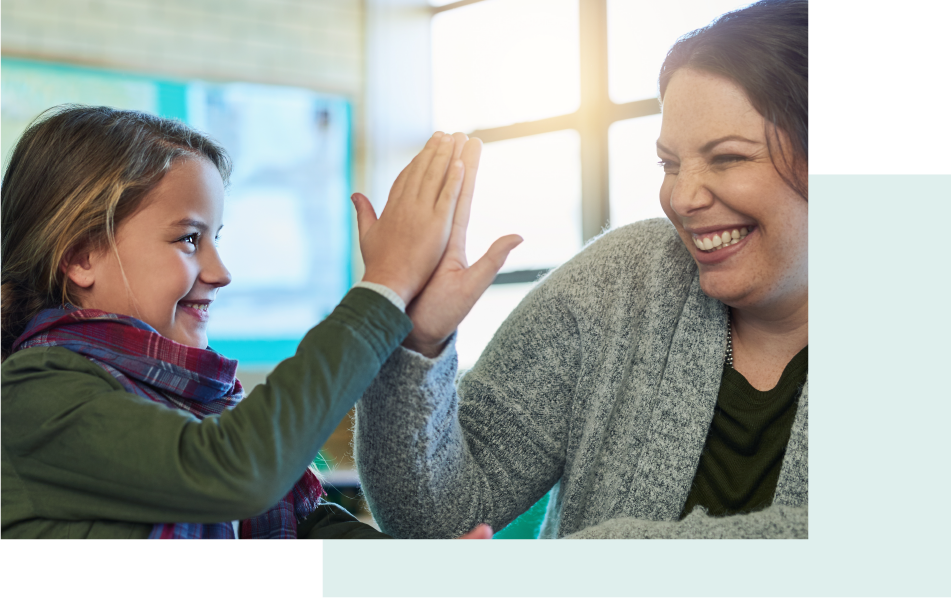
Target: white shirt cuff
{"x": 386, "y": 292}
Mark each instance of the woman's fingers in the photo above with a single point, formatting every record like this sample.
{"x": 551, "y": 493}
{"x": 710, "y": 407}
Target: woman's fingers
{"x": 366, "y": 215}
{"x": 482, "y": 273}
{"x": 479, "y": 532}
{"x": 470, "y": 155}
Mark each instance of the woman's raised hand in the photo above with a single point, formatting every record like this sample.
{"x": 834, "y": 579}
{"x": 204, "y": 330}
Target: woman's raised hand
{"x": 455, "y": 286}
{"x": 402, "y": 248}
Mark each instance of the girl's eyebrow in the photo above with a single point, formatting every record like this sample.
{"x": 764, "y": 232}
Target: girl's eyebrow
{"x": 188, "y": 222}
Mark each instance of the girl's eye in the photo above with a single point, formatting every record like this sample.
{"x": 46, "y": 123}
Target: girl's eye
{"x": 191, "y": 239}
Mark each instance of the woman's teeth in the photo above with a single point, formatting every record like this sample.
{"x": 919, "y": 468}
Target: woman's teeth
{"x": 720, "y": 240}
{"x": 198, "y": 306}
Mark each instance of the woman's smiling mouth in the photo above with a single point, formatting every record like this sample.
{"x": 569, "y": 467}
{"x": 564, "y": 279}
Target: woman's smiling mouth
{"x": 710, "y": 242}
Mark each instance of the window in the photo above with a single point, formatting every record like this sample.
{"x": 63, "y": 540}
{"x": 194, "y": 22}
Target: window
{"x": 564, "y": 95}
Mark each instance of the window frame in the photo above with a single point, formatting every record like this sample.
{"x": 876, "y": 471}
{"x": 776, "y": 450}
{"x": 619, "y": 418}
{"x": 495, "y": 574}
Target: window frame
{"x": 592, "y": 120}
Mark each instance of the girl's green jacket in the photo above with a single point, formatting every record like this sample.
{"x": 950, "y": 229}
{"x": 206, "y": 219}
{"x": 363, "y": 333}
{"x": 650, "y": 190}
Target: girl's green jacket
{"x": 83, "y": 458}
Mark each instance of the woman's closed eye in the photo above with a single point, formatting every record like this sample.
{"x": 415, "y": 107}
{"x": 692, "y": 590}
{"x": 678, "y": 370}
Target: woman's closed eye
{"x": 727, "y": 159}
{"x": 669, "y": 166}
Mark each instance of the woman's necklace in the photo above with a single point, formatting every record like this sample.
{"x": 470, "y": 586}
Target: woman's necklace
{"x": 729, "y": 338}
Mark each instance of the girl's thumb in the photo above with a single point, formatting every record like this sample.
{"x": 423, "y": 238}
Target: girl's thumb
{"x": 366, "y": 215}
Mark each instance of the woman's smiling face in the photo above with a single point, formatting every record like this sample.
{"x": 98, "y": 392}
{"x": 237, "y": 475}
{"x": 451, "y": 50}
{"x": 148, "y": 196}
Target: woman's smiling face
{"x": 719, "y": 179}
{"x": 170, "y": 269}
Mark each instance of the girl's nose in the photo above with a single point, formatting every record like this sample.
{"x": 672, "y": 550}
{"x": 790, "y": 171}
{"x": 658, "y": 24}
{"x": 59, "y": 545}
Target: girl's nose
{"x": 214, "y": 272}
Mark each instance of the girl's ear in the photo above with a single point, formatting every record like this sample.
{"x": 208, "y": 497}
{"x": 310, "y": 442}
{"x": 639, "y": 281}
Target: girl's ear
{"x": 77, "y": 266}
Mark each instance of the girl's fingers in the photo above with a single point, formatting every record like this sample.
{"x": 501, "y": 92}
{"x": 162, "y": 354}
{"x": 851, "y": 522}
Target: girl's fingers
{"x": 420, "y": 165}
{"x": 450, "y": 191}
{"x": 366, "y": 215}
{"x": 433, "y": 180}
{"x": 400, "y": 181}
{"x": 460, "y": 140}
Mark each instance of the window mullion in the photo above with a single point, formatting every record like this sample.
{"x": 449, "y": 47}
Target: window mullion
{"x": 594, "y": 117}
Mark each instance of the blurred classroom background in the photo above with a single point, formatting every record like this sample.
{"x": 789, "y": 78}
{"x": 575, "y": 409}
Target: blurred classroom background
{"x": 315, "y": 99}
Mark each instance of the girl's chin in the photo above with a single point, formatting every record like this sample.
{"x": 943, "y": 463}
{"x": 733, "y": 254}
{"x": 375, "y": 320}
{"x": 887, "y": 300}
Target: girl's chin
{"x": 199, "y": 341}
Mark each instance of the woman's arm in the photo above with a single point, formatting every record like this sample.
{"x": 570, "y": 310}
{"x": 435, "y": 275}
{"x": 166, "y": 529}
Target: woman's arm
{"x": 777, "y": 521}
{"x": 434, "y": 462}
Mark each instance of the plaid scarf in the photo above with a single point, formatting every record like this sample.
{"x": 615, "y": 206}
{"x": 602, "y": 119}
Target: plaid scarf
{"x": 199, "y": 381}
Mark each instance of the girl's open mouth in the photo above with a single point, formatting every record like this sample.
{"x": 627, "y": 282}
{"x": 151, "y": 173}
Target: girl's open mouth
{"x": 196, "y": 310}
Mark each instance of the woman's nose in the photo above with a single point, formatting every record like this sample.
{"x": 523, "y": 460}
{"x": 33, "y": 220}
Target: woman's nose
{"x": 690, "y": 193}
{"x": 214, "y": 272}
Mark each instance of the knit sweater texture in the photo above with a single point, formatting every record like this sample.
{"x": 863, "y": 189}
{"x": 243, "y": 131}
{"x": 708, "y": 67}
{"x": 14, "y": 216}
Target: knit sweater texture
{"x": 600, "y": 386}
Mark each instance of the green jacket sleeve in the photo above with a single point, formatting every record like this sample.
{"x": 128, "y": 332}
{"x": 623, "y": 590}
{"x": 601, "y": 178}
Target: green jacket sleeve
{"x": 78, "y": 447}
{"x": 333, "y": 522}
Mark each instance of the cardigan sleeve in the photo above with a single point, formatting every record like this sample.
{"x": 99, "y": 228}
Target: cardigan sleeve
{"x": 435, "y": 462}
{"x": 78, "y": 447}
{"x": 775, "y": 522}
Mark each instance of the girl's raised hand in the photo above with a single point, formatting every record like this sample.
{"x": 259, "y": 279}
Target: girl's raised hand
{"x": 455, "y": 286}
{"x": 401, "y": 248}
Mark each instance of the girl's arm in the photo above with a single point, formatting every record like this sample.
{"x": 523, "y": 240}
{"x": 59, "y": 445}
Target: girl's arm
{"x": 77, "y": 447}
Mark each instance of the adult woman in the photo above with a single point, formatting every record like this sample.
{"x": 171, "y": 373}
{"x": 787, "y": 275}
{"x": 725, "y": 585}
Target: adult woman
{"x": 660, "y": 370}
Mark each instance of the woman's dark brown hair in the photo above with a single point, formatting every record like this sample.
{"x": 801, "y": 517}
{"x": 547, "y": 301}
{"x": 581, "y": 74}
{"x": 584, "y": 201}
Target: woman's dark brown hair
{"x": 764, "y": 48}
{"x": 73, "y": 177}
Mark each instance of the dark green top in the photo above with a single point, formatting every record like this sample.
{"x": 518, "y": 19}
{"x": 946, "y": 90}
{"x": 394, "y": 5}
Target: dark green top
{"x": 83, "y": 458}
{"x": 746, "y": 443}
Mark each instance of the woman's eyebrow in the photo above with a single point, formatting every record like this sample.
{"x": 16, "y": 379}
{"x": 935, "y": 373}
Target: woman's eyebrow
{"x": 712, "y": 144}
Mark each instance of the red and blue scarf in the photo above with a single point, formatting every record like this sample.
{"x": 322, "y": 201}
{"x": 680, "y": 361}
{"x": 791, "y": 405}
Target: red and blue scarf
{"x": 199, "y": 381}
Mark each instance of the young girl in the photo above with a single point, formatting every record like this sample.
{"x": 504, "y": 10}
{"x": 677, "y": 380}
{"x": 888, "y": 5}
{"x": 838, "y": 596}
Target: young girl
{"x": 117, "y": 420}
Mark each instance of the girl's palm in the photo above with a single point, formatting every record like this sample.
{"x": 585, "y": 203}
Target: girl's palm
{"x": 455, "y": 286}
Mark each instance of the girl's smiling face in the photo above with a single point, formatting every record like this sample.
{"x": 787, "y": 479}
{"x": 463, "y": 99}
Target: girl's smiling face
{"x": 719, "y": 179}
{"x": 170, "y": 269}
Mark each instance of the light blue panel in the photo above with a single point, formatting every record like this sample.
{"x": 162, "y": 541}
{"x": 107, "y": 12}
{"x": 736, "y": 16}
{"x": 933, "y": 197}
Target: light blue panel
{"x": 880, "y": 406}
{"x": 256, "y": 353}
{"x": 172, "y": 100}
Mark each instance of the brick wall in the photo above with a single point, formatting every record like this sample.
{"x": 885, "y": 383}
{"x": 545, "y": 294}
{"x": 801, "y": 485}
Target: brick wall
{"x": 311, "y": 43}
{"x": 317, "y": 44}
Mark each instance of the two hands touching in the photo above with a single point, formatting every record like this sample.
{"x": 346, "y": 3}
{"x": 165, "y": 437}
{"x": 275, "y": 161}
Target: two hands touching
{"x": 417, "y": 246}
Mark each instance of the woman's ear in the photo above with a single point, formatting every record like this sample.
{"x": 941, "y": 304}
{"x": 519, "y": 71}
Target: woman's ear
{"x": 77, "y": 266}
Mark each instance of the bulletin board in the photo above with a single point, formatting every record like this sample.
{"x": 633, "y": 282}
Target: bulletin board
{"x": 286, "y": 236}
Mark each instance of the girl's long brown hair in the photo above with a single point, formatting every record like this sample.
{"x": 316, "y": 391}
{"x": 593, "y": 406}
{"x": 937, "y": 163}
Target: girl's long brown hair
{"x": 73, "y": 177}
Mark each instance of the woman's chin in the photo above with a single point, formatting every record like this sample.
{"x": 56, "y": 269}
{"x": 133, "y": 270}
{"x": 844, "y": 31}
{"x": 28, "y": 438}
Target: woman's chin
{"x": 724, "y": 287}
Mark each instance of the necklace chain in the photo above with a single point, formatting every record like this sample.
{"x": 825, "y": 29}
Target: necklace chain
{"x": 729, "y": 339}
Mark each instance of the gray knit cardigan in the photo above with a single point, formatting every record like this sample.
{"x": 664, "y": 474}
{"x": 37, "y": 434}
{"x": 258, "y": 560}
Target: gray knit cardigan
{"x": 600, "y": 385}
